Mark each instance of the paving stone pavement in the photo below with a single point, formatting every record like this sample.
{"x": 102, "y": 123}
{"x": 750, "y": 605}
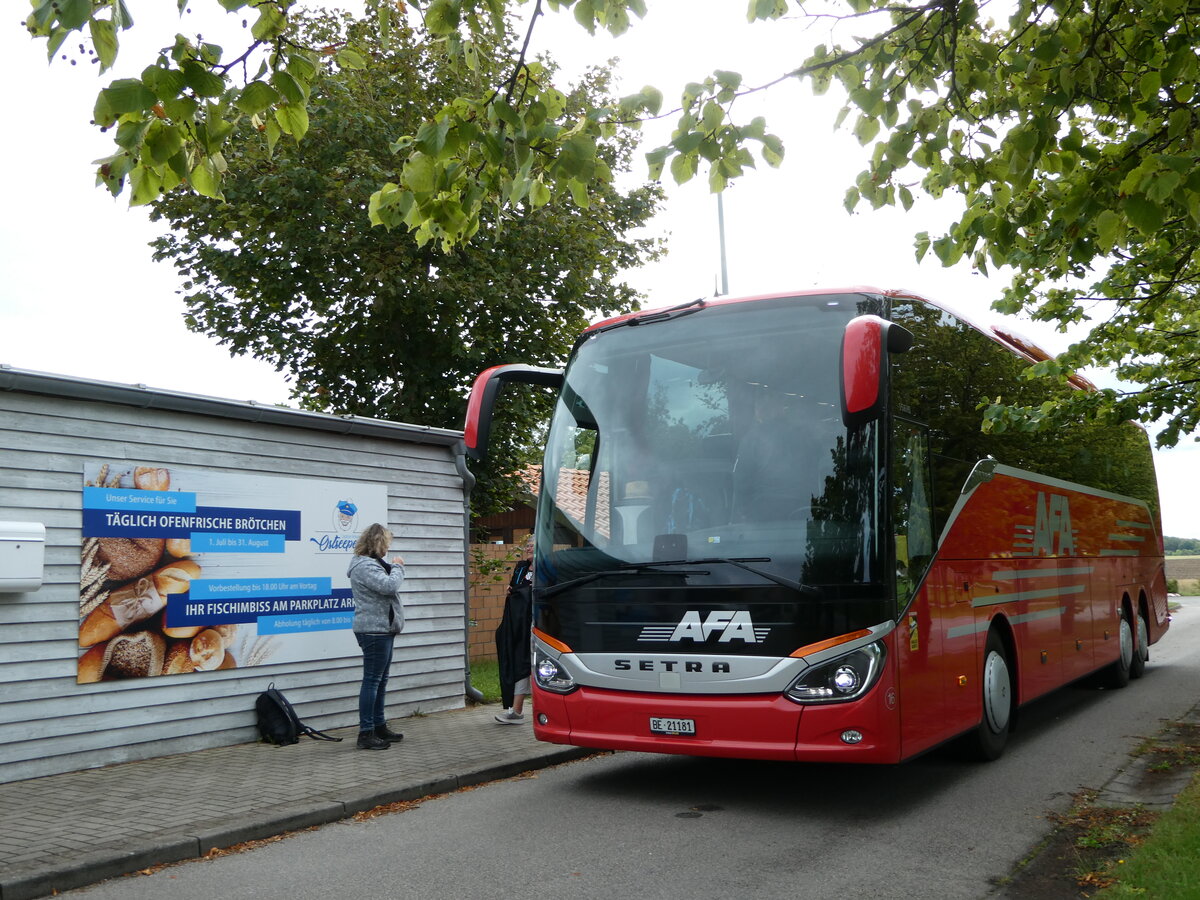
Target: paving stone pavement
{"x": 64, "y": 831}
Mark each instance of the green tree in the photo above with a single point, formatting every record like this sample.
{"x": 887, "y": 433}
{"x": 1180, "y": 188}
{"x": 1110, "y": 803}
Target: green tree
{"x": 1069, "y": 129}
{"x": 288, "y": 269}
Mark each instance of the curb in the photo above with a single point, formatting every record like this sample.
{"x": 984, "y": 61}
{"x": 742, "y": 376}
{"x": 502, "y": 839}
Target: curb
{"x": 101, "y": 864}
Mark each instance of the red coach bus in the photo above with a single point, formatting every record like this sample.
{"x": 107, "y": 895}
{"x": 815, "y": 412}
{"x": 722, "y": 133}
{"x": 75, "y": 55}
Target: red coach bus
{"x": 772, "y": 528}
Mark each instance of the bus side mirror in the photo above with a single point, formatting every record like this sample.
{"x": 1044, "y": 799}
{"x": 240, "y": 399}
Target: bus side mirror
{"x": 865, "y": 344}
{"x": 481, "y": 405}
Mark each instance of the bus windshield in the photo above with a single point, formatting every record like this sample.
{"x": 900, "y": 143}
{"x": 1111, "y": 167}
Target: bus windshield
{"x": 707, "y": 449}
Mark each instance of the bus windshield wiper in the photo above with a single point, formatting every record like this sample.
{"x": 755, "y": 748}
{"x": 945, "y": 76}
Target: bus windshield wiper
{"x": 741, "y": 563}
{"x": 630, "y": 569}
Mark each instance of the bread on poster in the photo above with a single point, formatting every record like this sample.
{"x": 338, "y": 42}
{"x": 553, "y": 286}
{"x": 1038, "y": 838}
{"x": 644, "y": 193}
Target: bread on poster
{"x": 148, "y": 478}
{"x": 176, "y": 577}
{"x": 207, "y": 650}
{"x": 179, "y": 547}
{"x": 129, "y": 557}
{"x": 91, "y": 665}
{"x": 135, "y": 655}
{"x": 136, "y": 602}
{"x": 184, "y": 632}
{"x": 177, "y": 659}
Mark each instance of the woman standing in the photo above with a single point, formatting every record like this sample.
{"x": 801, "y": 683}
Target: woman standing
{"x": 512, "y": 639}
{"x": 378, "y": 618}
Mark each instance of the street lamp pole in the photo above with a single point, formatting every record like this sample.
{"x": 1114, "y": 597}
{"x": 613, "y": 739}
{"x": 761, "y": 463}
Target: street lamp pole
{"x": 721, "y": 234}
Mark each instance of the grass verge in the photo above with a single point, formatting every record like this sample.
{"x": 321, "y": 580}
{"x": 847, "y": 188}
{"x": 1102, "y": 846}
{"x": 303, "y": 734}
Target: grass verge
{"x": 1104, "y": 852}
{"x": 1166, "y": 864}
{"x": 485, "y": 675}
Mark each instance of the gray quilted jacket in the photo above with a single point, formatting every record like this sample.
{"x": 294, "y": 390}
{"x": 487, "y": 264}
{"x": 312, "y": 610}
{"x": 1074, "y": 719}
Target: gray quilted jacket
{"x": 375, "y": 592}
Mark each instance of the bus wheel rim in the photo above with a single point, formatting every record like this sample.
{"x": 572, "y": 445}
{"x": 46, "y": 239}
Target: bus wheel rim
{"x": 1143, "y": 638}
{"x": 997, "y": 703}
{"x": 1126, "y": 642}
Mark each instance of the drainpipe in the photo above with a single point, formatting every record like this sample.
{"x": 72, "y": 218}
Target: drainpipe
{"x": 460, "y": 463}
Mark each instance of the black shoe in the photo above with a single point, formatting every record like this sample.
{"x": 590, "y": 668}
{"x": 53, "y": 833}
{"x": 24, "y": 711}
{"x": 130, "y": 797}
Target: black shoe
{"x": 392, "y": 737}
{"x": 368, "y": 740}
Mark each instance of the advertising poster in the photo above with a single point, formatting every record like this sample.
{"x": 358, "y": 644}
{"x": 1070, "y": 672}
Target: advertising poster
{"x": 187, "y": 570}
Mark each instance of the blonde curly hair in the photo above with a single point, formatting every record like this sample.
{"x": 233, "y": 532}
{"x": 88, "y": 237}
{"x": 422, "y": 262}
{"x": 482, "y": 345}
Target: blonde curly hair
{"x": 374, "y": 541}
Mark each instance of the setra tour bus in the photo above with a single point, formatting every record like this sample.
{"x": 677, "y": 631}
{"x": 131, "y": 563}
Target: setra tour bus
{"x": 772, "y": 528}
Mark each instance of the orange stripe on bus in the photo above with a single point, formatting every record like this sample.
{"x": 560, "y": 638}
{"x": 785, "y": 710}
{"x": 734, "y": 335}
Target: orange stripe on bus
{"x": 832, "y": 642}
{"x": 553, "y": 642}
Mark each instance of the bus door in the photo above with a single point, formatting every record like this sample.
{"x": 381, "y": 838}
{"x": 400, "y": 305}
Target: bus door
{"x": 920, "y": 674}
{"x": 921, "y": 592}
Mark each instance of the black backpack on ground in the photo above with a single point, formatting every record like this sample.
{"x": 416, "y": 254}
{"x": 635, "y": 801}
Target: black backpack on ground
{"x": 277, "y": 720}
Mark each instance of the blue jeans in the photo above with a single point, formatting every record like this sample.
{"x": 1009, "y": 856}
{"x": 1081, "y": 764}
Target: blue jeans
{"x": 377, "y": 659}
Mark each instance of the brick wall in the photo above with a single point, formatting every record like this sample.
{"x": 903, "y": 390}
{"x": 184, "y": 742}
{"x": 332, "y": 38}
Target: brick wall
{"x": 487, "y": 595}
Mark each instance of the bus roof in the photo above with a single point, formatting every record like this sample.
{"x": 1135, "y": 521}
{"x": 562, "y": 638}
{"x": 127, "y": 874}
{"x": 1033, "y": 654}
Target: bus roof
{"x": 1002, "y": 334}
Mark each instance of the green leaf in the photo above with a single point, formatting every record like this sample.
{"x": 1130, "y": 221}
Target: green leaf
{"x": 256, "y": 97}
{"x": 420, "y": 174}
{"x": 301, "y": 67}
{"x": 441, "y": 18}
{"x": 104, "y": 39}
{"x": 772, "y": 150}
{"x": 274, "y": 133}
{"x": 585, "y": 16}
{"x": 683, "y": 167}
{"x": 271, "y": 23}
{"x": 131, "y": 132}
{"x": 181, "y": 109}
{"x": 1146, "y": 216}
{"x": 866, "y": 128}
{"x": 1164, "y": 186}
{"x": 289, "y": 87}
{"x": 292, "y": 119}
{"x": 126, "y": 95}
{"x": 539, "y": 194}
{"x": 656, "y": 159}
{"x": 73, "y": 14}
{"x": 579, "y": 193}
{"x": 166, "y": 83}
{"x": 206, "y": 179}
{"x": 201, "y": 80}
{"x": 162, "y": 141}
{"x": 712, "y": 116}
{"x": 350, "y": 59}
{"x": 146, "y": 184}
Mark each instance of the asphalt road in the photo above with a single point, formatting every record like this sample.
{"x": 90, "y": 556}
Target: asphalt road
{"x": 645, "y": 826}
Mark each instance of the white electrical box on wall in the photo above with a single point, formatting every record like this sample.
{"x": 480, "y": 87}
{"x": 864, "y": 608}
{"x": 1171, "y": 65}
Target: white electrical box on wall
{"x": 22, "y": 554}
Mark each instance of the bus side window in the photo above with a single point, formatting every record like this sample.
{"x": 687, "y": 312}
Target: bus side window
{"x": 911, "y": 507}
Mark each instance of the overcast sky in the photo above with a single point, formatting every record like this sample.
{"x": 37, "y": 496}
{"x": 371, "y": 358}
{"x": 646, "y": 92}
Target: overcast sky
{"x": 80, "y": 294}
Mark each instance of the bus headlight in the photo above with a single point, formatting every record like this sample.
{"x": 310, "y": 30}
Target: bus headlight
{"x": 846, "y": 677}
{"x": 552, "y": 675}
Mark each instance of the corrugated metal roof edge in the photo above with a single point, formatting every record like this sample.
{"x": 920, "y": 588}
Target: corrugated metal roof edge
{"x": 139, "y": 395}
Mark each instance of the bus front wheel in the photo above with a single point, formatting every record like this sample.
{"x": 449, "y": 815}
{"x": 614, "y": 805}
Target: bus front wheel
{"x": 988, "y": 740}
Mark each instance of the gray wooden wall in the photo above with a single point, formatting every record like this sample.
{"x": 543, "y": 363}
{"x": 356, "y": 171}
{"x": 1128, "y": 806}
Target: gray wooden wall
{"x": 51, "y": 724}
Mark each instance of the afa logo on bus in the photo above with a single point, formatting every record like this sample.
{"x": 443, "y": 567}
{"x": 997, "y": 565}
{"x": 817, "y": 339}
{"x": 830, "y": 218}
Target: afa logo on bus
{"x": 730, "y": 624}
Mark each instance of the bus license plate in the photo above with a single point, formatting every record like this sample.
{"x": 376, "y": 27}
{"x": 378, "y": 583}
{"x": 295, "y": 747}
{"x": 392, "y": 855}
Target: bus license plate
{"x": 673, "y": 727}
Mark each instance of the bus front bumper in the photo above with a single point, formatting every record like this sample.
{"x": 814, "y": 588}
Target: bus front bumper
{"x": 748, "y": 726}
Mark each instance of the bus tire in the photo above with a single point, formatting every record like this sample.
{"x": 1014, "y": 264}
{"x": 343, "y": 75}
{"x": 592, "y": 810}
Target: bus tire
{"x": 1117, "y": 674}
{"x": 1141, "y": 653}
{"x": 990, "y": 736}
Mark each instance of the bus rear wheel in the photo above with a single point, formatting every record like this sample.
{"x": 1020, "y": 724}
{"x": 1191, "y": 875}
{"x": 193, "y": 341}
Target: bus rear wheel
{"x": 1117, "y": 675}
{"x": 1141, "y": 653}
{"x": 990, "y": 736}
